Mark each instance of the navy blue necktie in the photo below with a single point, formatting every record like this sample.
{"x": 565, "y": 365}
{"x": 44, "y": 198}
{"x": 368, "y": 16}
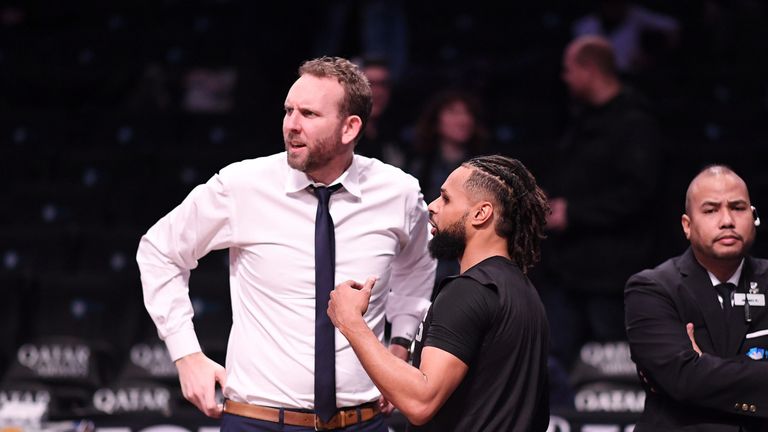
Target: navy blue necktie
{"x": 325, "y": 346}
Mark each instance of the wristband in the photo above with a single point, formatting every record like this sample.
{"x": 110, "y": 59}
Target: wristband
{"x": 403, "y": 342}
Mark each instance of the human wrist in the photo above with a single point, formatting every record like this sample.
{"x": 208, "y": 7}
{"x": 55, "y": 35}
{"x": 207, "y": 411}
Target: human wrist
{"x": 352, "y": 324}
{"x": 403, "y": 342}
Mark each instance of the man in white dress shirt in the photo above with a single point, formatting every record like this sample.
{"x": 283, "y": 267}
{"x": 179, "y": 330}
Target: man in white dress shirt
{"x": 263, "y": 210}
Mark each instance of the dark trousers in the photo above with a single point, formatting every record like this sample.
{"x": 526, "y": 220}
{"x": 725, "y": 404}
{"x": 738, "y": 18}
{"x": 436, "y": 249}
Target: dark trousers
{"x": 235, "y": 423}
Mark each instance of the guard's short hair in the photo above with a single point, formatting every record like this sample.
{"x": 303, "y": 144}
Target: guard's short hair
{"x": 709, "y": 170}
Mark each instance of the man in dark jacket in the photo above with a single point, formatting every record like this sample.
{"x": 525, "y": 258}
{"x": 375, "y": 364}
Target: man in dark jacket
{"x": 602, "y": 186}
{"x": 717, "y": 290}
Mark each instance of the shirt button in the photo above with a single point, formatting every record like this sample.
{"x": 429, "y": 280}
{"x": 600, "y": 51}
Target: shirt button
{"x": 744, "y": 407}
{"x": 752, "y": 408}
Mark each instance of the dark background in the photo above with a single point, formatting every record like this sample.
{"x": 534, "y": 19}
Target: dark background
{"x": 96, "y": 145}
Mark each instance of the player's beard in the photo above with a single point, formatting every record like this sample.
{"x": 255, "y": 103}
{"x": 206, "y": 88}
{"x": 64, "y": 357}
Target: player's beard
{"x": 449, "y": 243}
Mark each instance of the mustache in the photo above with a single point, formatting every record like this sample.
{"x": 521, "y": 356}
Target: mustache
{"x": 291, "y": 136}
{"x": 729, "y": 234}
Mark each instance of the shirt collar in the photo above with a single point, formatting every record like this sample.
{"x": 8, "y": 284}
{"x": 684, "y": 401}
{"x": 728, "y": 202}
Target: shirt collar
{"x": 350, "y": 179}
{"x": 733, "y": 279}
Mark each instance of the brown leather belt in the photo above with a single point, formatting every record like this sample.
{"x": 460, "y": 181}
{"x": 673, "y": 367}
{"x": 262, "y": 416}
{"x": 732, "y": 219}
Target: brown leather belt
{"x": 344, "y": 416}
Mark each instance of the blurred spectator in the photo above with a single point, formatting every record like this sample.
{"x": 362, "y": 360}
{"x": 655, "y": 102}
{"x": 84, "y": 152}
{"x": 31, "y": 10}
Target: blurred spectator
{"x": 602, "y": 187}
{"x": 200, "y": 89}
{"x": 381, "y": 139}
{"x": 209, "y": 90}
{"x": 449, "y": 131}
{"x": 638, "y": 35}
{"x": 378, "y": 28}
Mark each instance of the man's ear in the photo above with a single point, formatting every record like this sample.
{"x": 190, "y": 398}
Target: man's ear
{"x": 481, "y": 213}
{"x": 350, "y": 128}
{"x": 685, "y": 221}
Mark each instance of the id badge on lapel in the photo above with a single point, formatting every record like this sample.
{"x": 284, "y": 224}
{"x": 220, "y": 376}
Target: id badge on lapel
{"x": 748, "y": 299}
{"x": 741, "y": 299}
{"x": 756, "y": 341}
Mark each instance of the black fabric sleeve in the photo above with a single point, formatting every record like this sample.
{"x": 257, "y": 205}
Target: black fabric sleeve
{"x": 462, "y": 314}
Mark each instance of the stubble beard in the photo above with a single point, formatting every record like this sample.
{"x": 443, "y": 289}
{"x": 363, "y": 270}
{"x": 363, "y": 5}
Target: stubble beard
{"x": 317, "y": 154}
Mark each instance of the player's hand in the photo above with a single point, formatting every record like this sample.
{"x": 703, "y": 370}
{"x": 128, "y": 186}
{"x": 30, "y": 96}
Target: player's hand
{"x": 349, "y": 301}
{"x": 386, "y": 406}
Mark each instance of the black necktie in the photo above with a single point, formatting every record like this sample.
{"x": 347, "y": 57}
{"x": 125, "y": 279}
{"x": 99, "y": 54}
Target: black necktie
{"x": 325, "y": 347}
{"x": 725, "y": 289}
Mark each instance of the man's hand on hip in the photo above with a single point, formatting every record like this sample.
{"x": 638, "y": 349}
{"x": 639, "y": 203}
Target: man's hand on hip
{"x": 198, "y": 376}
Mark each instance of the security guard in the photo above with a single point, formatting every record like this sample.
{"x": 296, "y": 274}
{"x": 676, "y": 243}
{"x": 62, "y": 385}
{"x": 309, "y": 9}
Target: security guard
{"x": 712, "y": 377}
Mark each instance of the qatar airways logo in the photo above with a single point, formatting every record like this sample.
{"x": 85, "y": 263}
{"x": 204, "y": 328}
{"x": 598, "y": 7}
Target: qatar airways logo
{"x": 609, "y": 358}
{"x": 610, "y": 401}
{"x": 25, "y": 396}
{"x": 153, "y": 358}
{"x": 133, "y": 399}
{"x": 56, "y": 360}
{"x": 23, "y": 405}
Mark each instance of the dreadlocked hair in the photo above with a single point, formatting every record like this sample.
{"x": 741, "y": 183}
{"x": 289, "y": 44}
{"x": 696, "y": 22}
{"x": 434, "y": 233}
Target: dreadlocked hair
{"x": 523, "y": 205}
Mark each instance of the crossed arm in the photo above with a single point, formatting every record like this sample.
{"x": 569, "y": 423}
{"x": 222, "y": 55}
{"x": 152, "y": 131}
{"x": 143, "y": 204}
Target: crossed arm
{"x": 672, "y": 360}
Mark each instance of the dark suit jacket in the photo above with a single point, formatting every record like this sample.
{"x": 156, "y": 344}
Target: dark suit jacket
{"x": 723, "y": 389}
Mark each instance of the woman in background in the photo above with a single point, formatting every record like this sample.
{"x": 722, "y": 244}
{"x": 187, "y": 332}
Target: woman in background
{"x": 450, "y": 130}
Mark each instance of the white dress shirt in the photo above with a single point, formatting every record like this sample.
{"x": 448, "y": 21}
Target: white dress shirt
{"x": 262, "y": 210}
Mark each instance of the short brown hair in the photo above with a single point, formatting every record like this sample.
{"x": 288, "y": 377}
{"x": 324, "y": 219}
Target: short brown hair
{"x": 357, "y": 92}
